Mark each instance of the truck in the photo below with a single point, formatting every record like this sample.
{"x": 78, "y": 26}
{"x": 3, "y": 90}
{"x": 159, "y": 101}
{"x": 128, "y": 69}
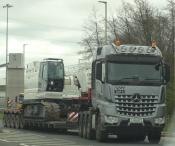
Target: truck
{"x": 123, "y": 92}
{"x": 128, "y": 94}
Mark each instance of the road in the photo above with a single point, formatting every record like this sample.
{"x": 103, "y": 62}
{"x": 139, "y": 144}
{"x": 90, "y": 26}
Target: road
{"x": 13, "y": 137}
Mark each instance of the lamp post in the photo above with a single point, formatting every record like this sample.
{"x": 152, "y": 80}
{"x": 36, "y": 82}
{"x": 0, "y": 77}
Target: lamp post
{"x": 24, "y": 50}
{"x": 104, "y": 2}
{"x": 7, "y": 6}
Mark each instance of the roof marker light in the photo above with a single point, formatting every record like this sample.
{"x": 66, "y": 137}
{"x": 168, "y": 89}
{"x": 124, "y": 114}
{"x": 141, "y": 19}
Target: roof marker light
{"x": 117, "y": 42}
{"x": 154, "y": 44}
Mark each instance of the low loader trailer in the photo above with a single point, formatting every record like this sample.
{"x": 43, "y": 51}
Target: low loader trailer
{"x": 122, "y": 92}
{"x": 50, "y": 99}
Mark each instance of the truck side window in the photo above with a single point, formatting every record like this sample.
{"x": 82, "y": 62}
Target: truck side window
{"x": 99, "y": 71}
{"x": 44, "y": 71}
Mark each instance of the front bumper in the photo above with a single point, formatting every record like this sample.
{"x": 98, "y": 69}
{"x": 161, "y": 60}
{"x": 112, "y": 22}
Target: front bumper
{"x": 124, "y": 125}
{"x": 117, "y": 123}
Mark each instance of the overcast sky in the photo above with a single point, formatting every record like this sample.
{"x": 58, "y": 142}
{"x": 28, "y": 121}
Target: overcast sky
{"x": 52, "y": 28}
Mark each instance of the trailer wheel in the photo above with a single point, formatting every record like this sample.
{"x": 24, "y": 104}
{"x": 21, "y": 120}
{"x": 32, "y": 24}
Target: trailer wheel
{"x": 154, "y": 137}
{"x": 85, "y": 125}
{"x": 17, "y": 121}
{"x": 21, "y": 122}
{"x": 12, "y": 121}
{"x": 8, "y": 120}
{"x": 101, "y": 135}
{"x": 5, "y": 120}
{"x": 81, "y": 125}
{"x": 90, "y": 131}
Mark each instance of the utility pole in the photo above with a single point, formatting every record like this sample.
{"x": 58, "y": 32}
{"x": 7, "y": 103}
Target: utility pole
{"x": 7, "y": 6}
{"x": 106, "y": 21}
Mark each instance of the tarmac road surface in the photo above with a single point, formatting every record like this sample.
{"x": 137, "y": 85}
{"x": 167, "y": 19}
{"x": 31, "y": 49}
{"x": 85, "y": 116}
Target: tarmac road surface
{"x": 13, "y": 137}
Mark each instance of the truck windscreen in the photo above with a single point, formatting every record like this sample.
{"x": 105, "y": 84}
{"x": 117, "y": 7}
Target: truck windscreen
{"x": 55, "y": 70}
{"x": 143, "y": 73}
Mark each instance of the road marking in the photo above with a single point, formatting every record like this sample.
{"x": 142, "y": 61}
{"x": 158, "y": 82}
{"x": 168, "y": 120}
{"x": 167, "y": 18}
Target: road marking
{"x": 27, "y": 138}
{"x": 21, "y": 134}
{"x": 4, "y": 140}
{"x": 23, "y": 144}
{"x": 49, "y": 142}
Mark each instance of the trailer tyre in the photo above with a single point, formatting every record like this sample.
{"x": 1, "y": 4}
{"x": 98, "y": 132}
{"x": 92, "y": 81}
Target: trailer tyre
{"x": 8, "y": 120}
{"x": 4, "y": 120}
{"x": 12, "y": 121}
{"x": 17, "y": 121}
{"x": 21, "y": 122}
{"x": 101, "y": 135}
{"x": 85, "y": 125}
{"x": 81, "y": 125}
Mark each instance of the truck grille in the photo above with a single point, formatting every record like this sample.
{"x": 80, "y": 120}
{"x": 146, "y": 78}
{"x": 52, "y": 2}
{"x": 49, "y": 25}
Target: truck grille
{"x": 145, "y": 106}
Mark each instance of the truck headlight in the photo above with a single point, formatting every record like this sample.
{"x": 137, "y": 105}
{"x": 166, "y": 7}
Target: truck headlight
{"x": 111, "y": 119}
{"x": 160, "y": 120}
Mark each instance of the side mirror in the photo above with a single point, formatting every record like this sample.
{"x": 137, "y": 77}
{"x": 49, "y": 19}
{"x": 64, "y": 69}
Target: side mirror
{"x": 76, "y": 82}
{"x": 167, "y": 73}
{"x": 103, "y": 73}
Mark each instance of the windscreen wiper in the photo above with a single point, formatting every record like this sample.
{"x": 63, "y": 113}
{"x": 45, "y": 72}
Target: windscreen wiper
{"x": 130, "y": 78}
{"x": 149, "y": 79}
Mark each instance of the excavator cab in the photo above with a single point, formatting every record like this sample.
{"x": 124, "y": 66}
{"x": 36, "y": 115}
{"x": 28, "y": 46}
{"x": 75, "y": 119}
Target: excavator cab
{"x": 51, "y": 76}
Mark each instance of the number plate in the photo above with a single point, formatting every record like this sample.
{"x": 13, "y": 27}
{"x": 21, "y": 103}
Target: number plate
{"x": 136, "y": 120}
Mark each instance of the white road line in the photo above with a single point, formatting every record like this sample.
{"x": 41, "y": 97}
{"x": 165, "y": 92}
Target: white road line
{"x": 13, "y": 133}
{"x": 23, "y": 144}
{"x": 23, "y": 140}
{"x": 22, "y": 135}
{"x": 56, "y": 144}
{"x": 49, "y": 142}
{"x": 4, "y": 140}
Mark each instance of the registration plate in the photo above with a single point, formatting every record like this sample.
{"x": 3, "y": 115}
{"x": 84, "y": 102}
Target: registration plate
{"x": 136, "y": 120}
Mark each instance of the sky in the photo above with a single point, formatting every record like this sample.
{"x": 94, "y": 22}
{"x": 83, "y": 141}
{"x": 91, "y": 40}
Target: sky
{"x": 51, "y": 28}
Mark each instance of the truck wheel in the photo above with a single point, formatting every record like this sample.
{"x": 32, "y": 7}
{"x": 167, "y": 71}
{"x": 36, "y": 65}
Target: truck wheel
{"x": 85, "y": 125}
{"x": 81, "y": 125}
{"x": 101, "y": 135}
{"x": 17, "y": 122}
{"x": 154, "y": 137}
{"x": 90, "y": 131}
{"x": 141, "y": 137}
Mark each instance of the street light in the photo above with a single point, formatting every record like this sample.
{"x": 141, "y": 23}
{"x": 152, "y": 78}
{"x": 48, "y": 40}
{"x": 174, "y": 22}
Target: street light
{"x": 24, "y": 50}
{"x": 104, "y": 2}
{"x": 7, "y": 6}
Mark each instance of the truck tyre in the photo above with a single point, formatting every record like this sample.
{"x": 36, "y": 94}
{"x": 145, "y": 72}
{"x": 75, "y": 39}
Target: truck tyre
{"x": 90, "y": 131}
{"x": 85, "y": 125}
{"x": 17, "y": 122}
{"x": 154, "y": 137}
{"x": 141, "y": 137}
{"x": 81, "y": 125}
{"x": 101, "y": 135}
